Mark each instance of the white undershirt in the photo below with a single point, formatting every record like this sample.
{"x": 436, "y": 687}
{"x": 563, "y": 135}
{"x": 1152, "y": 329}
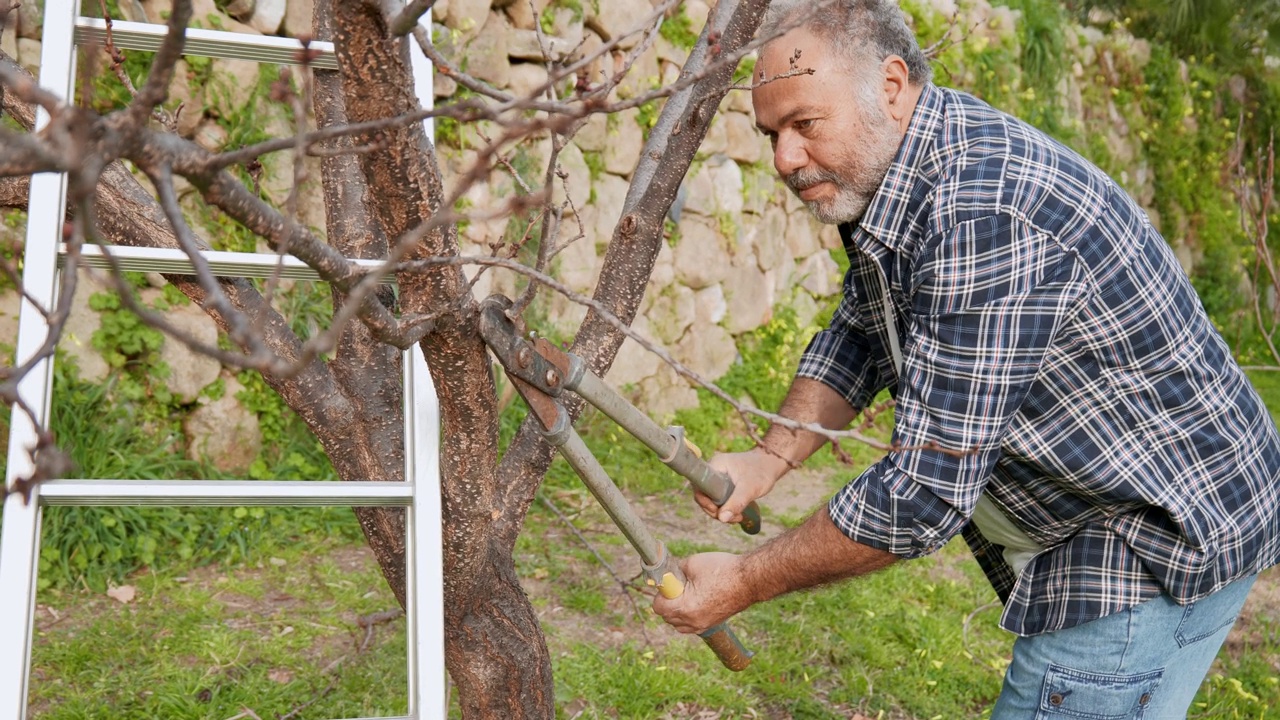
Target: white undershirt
{"x": 997, "y": 528}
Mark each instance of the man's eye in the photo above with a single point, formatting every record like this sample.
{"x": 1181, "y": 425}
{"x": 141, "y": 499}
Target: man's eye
{"x": 803, "y": 125}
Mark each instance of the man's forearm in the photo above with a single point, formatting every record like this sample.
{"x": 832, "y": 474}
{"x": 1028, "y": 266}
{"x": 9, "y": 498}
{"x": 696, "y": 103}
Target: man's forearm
{"x": 808, "y": 401}
{"x": 815, "y": 553}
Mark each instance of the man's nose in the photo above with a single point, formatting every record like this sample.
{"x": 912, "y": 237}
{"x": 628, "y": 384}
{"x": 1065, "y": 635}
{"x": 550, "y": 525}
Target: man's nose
{"x": 789, "y": 154}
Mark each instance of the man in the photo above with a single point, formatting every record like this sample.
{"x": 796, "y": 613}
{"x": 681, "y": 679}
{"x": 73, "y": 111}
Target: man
{"x": 1105, "y": 458}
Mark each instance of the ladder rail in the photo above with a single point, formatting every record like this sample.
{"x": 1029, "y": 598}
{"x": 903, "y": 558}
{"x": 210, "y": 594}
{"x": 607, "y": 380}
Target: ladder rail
{"x": 221, "y": 263}
{"x": 20, "y": 540}
{"x": 226, "y": 493}
{"x": 147, "y": 37}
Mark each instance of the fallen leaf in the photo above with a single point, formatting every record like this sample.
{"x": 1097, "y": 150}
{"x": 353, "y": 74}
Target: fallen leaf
{"x": 280, "y": 675}
{"x": 124, "y": 594}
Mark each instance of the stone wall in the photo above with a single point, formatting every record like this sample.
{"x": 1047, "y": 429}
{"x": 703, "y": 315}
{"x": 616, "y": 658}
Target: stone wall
{"x": 740, "y": 244}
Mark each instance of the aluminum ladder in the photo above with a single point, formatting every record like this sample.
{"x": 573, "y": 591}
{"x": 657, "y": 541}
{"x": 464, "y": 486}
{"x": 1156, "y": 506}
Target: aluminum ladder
{"x": 64, "y": 28}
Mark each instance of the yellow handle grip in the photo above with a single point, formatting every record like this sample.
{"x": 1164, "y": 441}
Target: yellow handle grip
{"x": 720, "y": 638}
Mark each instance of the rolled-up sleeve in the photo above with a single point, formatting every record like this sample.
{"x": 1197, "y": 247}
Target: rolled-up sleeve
{"x": 840, "y": 356}
{"x": 990, "y": 298}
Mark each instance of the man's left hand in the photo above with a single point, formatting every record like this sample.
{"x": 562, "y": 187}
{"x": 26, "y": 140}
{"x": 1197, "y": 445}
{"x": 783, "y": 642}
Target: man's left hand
{"x": 714, "y": 591}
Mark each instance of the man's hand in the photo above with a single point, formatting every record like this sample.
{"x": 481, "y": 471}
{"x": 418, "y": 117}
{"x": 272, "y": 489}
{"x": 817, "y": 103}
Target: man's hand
{"x": 720, "y": 585}
{"x": 714, "y": 591}
{"x": 754, "y": 473}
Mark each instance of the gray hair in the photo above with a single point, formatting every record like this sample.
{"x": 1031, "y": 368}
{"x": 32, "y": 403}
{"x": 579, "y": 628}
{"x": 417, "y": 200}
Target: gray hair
{"x": 854, "y": 29}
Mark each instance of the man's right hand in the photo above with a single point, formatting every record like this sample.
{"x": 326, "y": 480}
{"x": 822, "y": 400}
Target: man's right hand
{"x": 753, "y": 473}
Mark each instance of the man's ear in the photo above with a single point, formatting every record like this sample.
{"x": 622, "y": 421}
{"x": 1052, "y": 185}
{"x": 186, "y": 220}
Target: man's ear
{"x": 896, "y": 88}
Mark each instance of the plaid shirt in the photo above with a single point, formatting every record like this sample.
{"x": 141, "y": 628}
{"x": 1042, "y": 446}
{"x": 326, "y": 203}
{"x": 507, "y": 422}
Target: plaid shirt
{"x": 1046, "y": 328}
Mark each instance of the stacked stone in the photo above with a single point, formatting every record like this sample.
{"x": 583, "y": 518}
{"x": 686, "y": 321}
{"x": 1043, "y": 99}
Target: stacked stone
{"x": 742, "y": 244}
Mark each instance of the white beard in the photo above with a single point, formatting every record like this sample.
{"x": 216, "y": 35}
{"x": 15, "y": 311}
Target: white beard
{"x": 858, "y": 178}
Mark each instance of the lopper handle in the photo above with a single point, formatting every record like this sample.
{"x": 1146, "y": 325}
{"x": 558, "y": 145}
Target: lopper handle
{"x": 726, "y": 645}
{"x": 683, "y": 456}
{"x": 750, "y": 523}
{"x": 670, "y": 581}
{"x": 716, "y": 484}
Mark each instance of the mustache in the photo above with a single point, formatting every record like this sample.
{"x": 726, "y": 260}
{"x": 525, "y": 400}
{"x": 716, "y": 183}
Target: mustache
{"x": 806, "y": 178}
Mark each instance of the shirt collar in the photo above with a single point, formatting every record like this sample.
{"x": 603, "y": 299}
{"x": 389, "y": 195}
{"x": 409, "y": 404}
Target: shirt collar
{"x": 908, "y": 179}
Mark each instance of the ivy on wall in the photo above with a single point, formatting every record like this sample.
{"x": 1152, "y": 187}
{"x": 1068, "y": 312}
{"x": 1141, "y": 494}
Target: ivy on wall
{"x": 1166, "y": 108}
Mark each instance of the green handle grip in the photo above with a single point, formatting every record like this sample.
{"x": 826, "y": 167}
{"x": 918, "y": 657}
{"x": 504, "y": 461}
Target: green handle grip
{"x": 726, "y": 645}
{"x": 717, "y": 484}
{"x": 751, "y": 519}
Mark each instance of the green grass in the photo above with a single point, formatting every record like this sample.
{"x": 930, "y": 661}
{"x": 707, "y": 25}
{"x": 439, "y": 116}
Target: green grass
{"x": 210, "y": 643}
{"x": 248, "y": 608}
{"x": 1268, "y": 386}
{"x": 889, "y": 642}
{"x": 106, "y": 438}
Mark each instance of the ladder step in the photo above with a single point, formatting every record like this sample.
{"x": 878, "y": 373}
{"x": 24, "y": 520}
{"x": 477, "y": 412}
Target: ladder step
{"x": 208, "y": 43}
{"x": 222, "y": 263}
{"x": 225, "y": 493}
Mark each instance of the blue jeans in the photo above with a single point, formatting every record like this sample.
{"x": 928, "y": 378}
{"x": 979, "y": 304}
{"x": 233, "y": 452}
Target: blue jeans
{"x": 1145, "y": 662}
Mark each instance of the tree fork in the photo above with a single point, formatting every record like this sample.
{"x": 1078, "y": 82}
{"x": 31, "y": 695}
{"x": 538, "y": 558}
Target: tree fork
{"x": 629, "y": 259}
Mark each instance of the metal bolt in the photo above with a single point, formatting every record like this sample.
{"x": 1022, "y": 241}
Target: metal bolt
{"x": 524, "y": 357}
{"x": 552, "y": 378}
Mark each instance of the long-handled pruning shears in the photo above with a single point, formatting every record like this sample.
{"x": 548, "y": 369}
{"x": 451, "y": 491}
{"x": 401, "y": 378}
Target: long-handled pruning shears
{"x": 541, "y": 372}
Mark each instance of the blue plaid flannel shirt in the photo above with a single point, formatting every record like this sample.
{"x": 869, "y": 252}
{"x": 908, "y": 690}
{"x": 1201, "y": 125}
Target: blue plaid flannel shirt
{"x": 1046, "y": 327}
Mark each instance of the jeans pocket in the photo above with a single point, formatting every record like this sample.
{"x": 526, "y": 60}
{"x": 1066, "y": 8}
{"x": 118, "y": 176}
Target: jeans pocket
{"x": 1201, "y": 620}
{"x": 1070, "y": 694}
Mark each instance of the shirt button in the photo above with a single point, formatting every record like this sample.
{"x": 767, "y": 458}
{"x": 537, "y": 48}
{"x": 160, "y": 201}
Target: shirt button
{"x": 1146, "y": 698}
{"x": 1055, "y": 699}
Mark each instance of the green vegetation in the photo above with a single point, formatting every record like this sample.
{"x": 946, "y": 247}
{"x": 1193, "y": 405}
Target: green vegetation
{"x": 13, "y": 224}
{"x": 249, "y": 608}
{"x": 547, "y": 20}
{"x": 1199, "y": 27}
{"x": 97, "y": 546}
{"x": 1163, "y": 90}
{"x": 595, "y": 164}
{"x": 243, "y": 607}
{"x": 678, "y": 30}
{"x": 208, "y": 643}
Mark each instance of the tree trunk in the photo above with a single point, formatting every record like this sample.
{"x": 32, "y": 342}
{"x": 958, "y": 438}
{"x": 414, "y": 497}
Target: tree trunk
{"x": 493, "y": 645}
{"x": 495, "y": 650}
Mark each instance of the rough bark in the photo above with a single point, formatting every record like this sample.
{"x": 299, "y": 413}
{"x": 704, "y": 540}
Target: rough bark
{"x": 368, "y": 369}
{"x": 494, "y": 647}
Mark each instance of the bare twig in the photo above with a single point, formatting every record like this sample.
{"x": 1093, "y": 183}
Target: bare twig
{"x": 624, "y": 586}
{"x": 333, "y": 683}
{"x": 744, "y": 411}
{"x": 408, "y": 18}
{"x": 1255, "y": 224}
{"x": 372, "y": 620}
{"x": 949, "y": 38}
{"x": 147, "y": 102}
{"x": 964, "y": 631}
